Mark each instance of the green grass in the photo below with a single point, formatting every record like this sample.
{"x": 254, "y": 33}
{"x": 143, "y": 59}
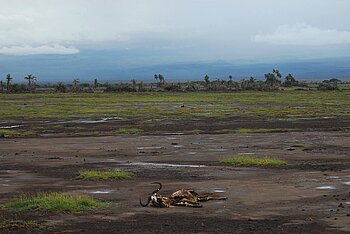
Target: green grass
{"x": 129, "y": 131}
{"x": 15, "y": 133}
{"x": 55, "y": 202}
{"x": 287, "y": 104}
{"x": 20, "y": 224}
{"x": 94, "y": 175}
{"x": 245, "y": 161}
{"x": 157, "y": 108}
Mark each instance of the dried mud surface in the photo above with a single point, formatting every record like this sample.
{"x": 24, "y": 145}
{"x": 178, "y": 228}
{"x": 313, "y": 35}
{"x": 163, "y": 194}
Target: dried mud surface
{"x": 310, "y": 195}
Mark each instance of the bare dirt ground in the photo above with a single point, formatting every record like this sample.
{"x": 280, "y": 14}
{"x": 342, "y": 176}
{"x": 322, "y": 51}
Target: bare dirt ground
{"x": 310, "y": 195}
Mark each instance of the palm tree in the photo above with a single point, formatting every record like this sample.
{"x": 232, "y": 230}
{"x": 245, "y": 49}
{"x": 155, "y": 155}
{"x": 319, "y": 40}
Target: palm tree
{"x": 134, "y": 84}
{"x": 95, "y": 84}
{"x": 31, "y": 80}
{"x": 8, "y": 82}
{"x": 230, "y": 82}
{"x": 76, "y": 84}
{"x": 1, "y": 86}
{"x": 60, "y": 87}
{"x": 161, "y": 79}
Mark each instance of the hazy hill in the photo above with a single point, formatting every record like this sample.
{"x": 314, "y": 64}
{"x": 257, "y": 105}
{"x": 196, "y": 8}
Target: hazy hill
{"x": 112, "y": 67}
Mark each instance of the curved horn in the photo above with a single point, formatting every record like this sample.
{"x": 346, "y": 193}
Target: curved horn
{"x": 160, "y": 187}
{"x": 144, "y": 205}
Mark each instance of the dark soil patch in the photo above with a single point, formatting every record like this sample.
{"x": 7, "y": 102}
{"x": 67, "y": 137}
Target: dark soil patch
{"x": 177, "y": 223}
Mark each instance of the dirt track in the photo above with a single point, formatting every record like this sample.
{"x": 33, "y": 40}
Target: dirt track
{"x": 292, "y": 199}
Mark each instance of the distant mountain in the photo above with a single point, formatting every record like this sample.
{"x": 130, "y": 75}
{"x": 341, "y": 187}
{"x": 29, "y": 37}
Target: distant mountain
{"x": 122, "y": 67}
{"x": 302, "y": 70}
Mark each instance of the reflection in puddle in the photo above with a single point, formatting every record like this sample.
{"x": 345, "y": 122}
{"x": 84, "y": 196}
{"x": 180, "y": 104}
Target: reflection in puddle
{"x": 177, "y": 146}
{"x": 217, "y": 150}
{"x": 10, "y": 127}
{"x": 334, "y": 177}
{"x": 219, "y": 190}
{"x": 11, "y": 171}
{"x": 5, "y": 180}
{"x": 103, "y": 120}
{"x": 150, "y": 147}
{"x": 219, "y": 202}
{"x": 347, "y": 203}
{"x": 346, "y": 183}
{"x": 326, "y": 187}
{"x": 192, "y": 153}
{"x": 174, "y": 133}
{"x": 101, "y": 192}
{"x": 163, "y": 165}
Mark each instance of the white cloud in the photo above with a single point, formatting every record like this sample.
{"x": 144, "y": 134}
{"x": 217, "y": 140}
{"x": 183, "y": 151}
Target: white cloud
{"x": 303, "y": 34}
{"x": 45, "y": 49}
{"x": 185, "y": 28}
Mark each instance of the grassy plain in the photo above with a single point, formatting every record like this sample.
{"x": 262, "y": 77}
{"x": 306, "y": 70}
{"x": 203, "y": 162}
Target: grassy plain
{"x": 143, "y": 109}
{"x": 263, "y": 104}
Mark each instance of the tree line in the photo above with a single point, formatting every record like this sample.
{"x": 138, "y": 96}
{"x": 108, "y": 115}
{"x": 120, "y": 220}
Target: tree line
{"x": 272, "y": 81}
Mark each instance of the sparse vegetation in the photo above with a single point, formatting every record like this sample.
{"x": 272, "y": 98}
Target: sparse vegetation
{"x": 55, "y": 202}
{"x": 247, "y": 161}
{"x": 20, "y": 224}
{"x": 151, "y": 109}
{"x": 94, "y": 175}
{"x": 129, "y": 131}
{"x": 15, "y": 133}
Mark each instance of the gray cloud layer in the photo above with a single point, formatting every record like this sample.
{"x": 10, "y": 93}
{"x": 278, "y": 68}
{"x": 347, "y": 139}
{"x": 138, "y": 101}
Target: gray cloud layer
{"x": 303, "y": 34}
{"x": 208, "y": 29}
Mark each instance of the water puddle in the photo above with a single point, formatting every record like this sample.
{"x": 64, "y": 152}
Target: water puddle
{"x": 10, "y": 127}
{"x": 347, "y": 203}
{"x": 6, "y": 181}
{"x": 11, "y": 171}
{"x": 103, "y": 120}
{"x": 178, "y": 146}
{"x": 192, "y": 153}
{"x": 150, "y": 148}
{"x": 327, "y": 187}
{"x": 174, "y": 133}
{"x": 219, "y": 202}
{"x": 217, "y": 150}
{"x": 219, "y": 190}
{"x": 346, "y": 183}
{"x": 246, "y": 153}
{"x": 101, "y": 191}
{"x": 334, "y": 177}
{"x": 171, "y": 138}
{"x": 163, "y": 165}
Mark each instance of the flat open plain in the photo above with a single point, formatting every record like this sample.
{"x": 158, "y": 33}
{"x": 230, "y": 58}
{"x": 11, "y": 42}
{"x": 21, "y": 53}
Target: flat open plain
{"x": 308, "y": 195}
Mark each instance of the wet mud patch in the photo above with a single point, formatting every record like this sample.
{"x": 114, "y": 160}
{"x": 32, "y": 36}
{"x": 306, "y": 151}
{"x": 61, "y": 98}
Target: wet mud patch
{"x": 321, "y": 165}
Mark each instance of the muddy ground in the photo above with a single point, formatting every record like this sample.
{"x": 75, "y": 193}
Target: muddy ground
{"x": 310, "y": 195}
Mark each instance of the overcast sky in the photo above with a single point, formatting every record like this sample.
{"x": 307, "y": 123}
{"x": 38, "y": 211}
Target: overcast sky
{"x": 179, "y": 30}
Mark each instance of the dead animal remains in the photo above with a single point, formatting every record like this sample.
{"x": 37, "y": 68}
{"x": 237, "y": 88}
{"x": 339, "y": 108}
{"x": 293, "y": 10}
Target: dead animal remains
{"x": 182, "y": 197}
